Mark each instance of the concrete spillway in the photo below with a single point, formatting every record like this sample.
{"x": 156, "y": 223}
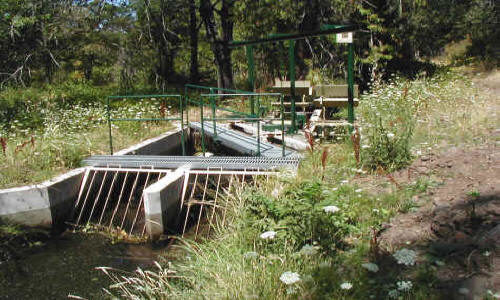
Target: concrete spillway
{"x": 142, "y": 193}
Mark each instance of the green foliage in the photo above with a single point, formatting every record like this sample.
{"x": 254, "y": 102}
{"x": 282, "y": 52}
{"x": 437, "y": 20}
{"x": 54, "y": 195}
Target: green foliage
{"x": 299, "y": 218}
{"x": 388, "y": 124}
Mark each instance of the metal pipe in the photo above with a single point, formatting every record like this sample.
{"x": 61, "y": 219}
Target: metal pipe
{"x": 296, "y": 36}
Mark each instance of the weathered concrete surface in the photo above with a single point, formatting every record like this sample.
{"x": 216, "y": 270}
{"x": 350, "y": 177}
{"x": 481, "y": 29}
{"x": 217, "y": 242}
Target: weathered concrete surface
{"x": 168, "y": 143}
{"x": 44, "y": 204}
{"x": 49, "y": 204}
{"x": 162, "y": 202}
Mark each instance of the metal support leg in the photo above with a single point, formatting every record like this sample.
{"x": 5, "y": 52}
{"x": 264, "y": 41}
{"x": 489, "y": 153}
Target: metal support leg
{"x": 291, "y": 70}
{"x": 251, "y": 75}
{"x": 350, "y": 86}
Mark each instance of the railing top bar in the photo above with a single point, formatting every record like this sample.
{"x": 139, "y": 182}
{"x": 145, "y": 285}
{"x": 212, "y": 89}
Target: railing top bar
{"x": 144, "y": 96}
{"x": 250, "y": 95}
{"x": 145, "y": 119}
{"x": 189, "y": 85}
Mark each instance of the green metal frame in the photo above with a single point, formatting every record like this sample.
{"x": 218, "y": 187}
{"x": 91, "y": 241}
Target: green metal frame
{"x": 325, "y": 30}
{"x": 247, "y": 117}
{"x": 110, "y": 120}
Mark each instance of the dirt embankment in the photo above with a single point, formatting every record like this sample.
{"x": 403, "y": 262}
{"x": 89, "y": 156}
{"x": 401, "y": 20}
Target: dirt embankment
{"x": 458, "y": 221}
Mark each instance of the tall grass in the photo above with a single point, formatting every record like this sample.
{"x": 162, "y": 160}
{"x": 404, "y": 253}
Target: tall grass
{"x": 48, "y": 138}
{"x": 328, "y": 248}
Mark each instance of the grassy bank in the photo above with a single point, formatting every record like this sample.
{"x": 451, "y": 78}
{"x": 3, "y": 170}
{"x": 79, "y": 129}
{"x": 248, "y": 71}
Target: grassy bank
{"x": 51, "y": 133}
{"x": 314, "y": 235}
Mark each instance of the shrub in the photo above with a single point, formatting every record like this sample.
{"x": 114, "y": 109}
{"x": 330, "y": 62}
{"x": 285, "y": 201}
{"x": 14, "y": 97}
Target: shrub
{"x": 388, "y": 124}
{"x": 300, "y": 216}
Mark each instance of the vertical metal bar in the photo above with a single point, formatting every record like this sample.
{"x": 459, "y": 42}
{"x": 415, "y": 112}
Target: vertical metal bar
{"x": 202, "y": 203}
{"x": 82, "y": 187}
{"x": 130, "y": 199}
{"x": 184, "y": 189}
{"x": 181, "y": 99}
{"x": 215, "y": 200}
{"x": 350, "y": 86}
{"x": 186, "y": 98}
{"x": 258, "y": 126}
{"x": 228, "y": 191}
{"x": 107, "y": 197}
{"x": 291, "y": 70}
{"x": 214, "y": 122}
{"x": 108, "y": 114}
{"x": 189, "y": 204}
{"x": 86, "y": 197}
{"x": 251, "y": 75}
{"x": 140, "y": 203}
{"x": 282, "y": 127}
{"x": 119, "y": 199}
{"x": 98, "y": 196}
{"x": 202, "y": 127}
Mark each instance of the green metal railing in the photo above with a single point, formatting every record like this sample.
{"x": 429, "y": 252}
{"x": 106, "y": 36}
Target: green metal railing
{"x": 160, "y": 96}
{"x": 241, "y": 116}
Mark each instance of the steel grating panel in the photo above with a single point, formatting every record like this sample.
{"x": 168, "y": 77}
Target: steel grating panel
{"x": 240, "y": 142}
{"x": 194, "y": 162}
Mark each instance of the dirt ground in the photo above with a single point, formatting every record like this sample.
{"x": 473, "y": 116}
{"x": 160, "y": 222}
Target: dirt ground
{"x": 457, "y": 222}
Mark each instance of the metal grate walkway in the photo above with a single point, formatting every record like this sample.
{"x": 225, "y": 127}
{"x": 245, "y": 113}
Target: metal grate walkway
{"x": 194, "y": 162}
{"x": 242, "y": 143}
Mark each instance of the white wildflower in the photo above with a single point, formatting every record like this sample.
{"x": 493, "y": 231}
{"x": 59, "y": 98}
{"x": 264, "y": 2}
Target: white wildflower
{"x": 331, "y": 209}
{"x": 370, "y": 267}
{"x": 390, "y": 135}
{"x": 405, "y": 257}
{"x": 404, "y": 286}
{"x": 365, "y": 146}
{"x": 344, "y": 181}
{"x": 268, "y": 235}
{"x": 358, "y": 190}
{"x": 289, "y": 277}
{"x": 334, "y": 189}
{"x": 308, "y": 250}
{"x": 346, "y": 286}
{"x": 250, "y": 255}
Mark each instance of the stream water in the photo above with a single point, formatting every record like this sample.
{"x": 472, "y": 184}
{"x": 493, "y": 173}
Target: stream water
{"x": 65, "y": 265}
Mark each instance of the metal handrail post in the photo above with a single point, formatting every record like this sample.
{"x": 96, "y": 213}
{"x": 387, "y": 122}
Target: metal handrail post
{"x": 181, "y": 99}
{"x": 187, "y": 105}
{"x": 258, "y": 126}
{"x": 109, "y": 126}
{"x": 214, "y": 122}
{"x": 202, "y": 127}
{"x": 282, "y": 127}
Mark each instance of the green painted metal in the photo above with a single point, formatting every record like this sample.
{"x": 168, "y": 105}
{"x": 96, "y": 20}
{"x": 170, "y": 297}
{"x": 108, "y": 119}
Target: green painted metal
{"x": 251, "y": 75}
{"x": 108, "y": 113}
{"x": 350, "y": 86}
{"x": 282, "y": 126}
{"x": 202, "y": 129}
{"x": 212, "y": 102}
{"x": 145, "y": 96}
{"x": 246, "y": 117}
{"x": 202, "y": 87}
{"x": 295, "y": 36}
{"x": 110, "y": 120}
{"x": 258, "y": 127}
{"x": 291, "y": 73}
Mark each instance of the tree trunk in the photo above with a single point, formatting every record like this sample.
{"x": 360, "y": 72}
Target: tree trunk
{"x": 220, "y": 46}
{"x": 194, "y": 75}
